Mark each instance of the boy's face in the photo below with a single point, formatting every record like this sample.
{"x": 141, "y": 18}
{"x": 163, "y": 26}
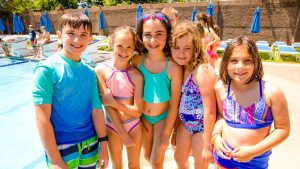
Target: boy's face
{"x": 74, "y": 41}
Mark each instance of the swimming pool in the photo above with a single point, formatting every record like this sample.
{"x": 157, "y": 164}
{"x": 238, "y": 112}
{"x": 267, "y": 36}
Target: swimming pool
{"x": 20, "y": 144}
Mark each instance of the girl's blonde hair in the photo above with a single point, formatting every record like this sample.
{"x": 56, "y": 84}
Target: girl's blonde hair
{"x": 188, "y": 28}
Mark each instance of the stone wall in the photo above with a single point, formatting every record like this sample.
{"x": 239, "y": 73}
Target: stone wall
{"x": 279, "y": 18}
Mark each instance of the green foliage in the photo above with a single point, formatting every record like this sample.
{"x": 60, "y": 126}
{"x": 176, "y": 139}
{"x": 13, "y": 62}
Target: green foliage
{"x": 68, "y": 4}
{"x": 45, "y": 5}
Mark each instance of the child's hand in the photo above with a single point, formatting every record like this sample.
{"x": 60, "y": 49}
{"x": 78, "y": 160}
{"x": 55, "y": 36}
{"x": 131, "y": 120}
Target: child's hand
{"x": 207, "y": 153}
{"x": 59, "y": 165}
{"x": 242, "y": 154}
{"x": 128, "y": 140}
{"x": 164, "y": 141}
{"x": 103, "y": 156}
{"x": 107, "y": 99}
{"x": 221, "y": 148}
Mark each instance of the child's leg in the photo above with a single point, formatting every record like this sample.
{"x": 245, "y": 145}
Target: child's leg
{"x": 183, "y": 147}
{"x": 147, "y": 139}
{"x": 158, "y": 152}
{"x": 115, "y": 146}
{"x": 197, "y": 146}
{"x": 133, "y": 152}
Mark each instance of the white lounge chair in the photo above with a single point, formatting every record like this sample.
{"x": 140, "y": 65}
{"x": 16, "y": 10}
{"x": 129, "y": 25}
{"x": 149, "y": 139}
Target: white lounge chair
{"x": 91, "y": 54}
{"x": 287, "y": 53}
{"x": 264, "y": 50}
{"x": 49, "y": 49}
{"x": 19, "y": 47}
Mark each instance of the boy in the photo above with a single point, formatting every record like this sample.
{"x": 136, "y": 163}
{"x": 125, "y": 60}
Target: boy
{"x": 172, "y": 15}
{"x": 33, "y": 40}
{"x": 67, "y": 102}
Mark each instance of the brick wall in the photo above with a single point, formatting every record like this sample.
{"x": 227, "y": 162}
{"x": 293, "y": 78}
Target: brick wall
{"x": 279, "y": 18}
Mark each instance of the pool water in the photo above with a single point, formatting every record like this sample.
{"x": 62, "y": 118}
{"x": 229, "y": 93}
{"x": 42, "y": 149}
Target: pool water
{"x": 20, "y": 144}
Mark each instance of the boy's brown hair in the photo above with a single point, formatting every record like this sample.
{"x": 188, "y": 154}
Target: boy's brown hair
{"x": 75, "y": 20}
{"x": 252, "y": 50}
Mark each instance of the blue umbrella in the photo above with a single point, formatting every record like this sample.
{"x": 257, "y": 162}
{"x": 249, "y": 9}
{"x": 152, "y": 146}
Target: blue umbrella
{"x": 138, "y": 14}
{"x": 21, "y": 24}
{"x": 16, "y": 26}
{"x": 210, "y": 9}
{"x": 194, "y": 13}
{"x": 2, "y": 27}
{"x": 47, "y": 22}
{"x": 255, "y": 26}
{"x": 101, "y": 24}
{"x": 42, "y": 21}
{"x": 86, "y": 12}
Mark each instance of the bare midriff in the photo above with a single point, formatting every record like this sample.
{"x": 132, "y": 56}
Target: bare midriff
{"x": 155, "y": 109}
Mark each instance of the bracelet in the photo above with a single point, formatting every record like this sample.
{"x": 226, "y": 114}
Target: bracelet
{"x": 213, "y": 138}
{"x": 101, "y": 139}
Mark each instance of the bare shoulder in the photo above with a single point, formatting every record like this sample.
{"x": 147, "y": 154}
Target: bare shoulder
{"x": 205, "y": 73}
{"x": 272, "y": 90}
{"x": 136, "y": 60}
{"x": 220, "y": 87}
{"x": 102, "y": 70}
{"x": 135, "y": 75}
{"x": 172, "y": 65}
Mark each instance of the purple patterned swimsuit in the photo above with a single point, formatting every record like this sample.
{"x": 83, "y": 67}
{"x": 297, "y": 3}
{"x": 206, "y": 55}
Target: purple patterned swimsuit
{"x": 255, "y": 116}
{"x": 191, "y": 110}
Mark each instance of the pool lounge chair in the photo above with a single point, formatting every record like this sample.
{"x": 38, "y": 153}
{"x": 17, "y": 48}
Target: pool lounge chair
{"x": 49, "y": 49}
{"x": 91, "y": 54}
{"x": 287, "y": 53}
{"x": 296, "y": 46}
{"x": 264, "y": 51}
{"x": 19, "y": 47}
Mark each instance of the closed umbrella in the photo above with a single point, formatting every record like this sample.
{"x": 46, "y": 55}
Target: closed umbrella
{"x": 138, "y": 14}
{"x": 194, "y": 13}
{"x": 255, "y": 26}
{"x": 42, "y": 21}
{"x": 21, "y": 24}
{"x": 101, "y": 24}
{"x": 86, "y": 12}
{"x": 47, "y": 22}
{"x": 210, "y": 9}
{"x": 16, "y": 27}
{"x": 2, "y": 27}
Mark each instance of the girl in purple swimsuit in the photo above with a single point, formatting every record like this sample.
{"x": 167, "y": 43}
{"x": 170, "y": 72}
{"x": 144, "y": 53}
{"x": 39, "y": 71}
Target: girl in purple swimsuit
{"x": 242, "y": 136}
{"x": 197, "y": 109}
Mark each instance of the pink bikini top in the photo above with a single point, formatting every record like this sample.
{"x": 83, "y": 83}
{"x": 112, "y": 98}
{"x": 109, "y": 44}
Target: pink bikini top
{"x": 120, "y": 84}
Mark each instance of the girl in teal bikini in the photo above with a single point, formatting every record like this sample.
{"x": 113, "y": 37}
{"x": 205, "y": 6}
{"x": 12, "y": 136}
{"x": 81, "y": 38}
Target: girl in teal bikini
{"x": 162, "y": 81}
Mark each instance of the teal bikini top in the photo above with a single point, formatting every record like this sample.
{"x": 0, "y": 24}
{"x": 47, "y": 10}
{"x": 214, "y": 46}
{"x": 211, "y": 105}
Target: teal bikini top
{"x": 156, "y": 86}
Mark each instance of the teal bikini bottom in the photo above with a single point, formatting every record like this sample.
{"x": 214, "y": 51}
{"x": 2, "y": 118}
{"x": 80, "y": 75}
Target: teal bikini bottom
{"x": 155, "y": 119}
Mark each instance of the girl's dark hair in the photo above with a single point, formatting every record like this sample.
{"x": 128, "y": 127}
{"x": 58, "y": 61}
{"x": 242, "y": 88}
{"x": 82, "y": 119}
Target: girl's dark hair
{"x": 252, "y": 50}
{"x": 139, "y": 33}
{"x": 75, "y": 20}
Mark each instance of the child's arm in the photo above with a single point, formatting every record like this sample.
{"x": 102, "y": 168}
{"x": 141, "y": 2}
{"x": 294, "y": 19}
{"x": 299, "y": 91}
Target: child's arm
{"x": 113, "y": 113}
{"x": 42, "y": 97}
{"x": 99, "y": 124}
{"x": 175, "y": 72}
{"x": 136, "y": 109}
{"x": 46, "y": 132}
{"x": 219, "y": 145}
{"x": 281, "y": 130}
{"x": 206, "y": 80}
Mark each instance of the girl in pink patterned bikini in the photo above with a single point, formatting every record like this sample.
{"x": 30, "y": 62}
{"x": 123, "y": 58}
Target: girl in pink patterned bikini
{"x": 121, "y": 88}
